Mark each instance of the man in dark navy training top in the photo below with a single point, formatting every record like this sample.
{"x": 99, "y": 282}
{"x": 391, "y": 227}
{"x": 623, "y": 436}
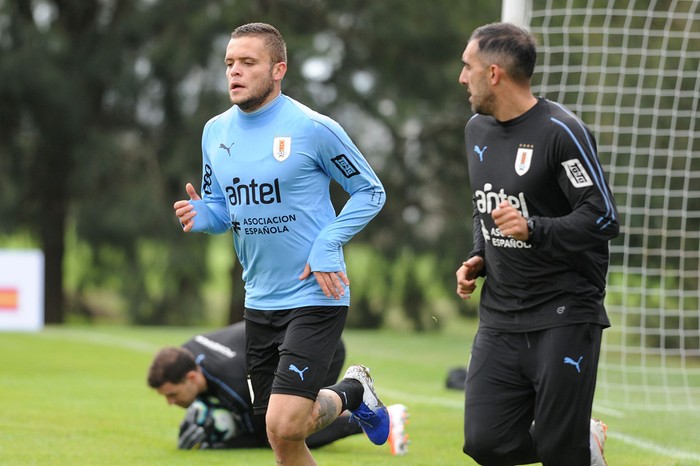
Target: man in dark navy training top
{"x": 543, "y": 216}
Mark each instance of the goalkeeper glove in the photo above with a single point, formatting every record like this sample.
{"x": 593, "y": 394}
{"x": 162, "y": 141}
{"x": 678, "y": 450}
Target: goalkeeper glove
{"x": 194, "y": 427}
{"x": 191, "y": 437}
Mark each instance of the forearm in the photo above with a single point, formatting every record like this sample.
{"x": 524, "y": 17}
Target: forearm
{"x": 578, "y": 231}
{"x": 360, "y": 209}
{"x": 479, "y": 244}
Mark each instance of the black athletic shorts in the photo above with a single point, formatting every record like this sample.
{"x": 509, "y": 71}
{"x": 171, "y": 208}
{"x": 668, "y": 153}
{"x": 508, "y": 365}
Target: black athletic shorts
{"x": 289, "y": 351}
{"x": 548, "y": 376}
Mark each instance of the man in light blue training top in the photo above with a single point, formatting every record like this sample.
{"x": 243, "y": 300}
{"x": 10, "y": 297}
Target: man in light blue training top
{"x": 267, "y": 166}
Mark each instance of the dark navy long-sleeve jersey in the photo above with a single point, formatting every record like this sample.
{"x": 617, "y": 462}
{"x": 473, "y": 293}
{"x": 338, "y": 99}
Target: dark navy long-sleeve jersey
{"x": 545, "y": 164}
{"x": 221, "y": 357}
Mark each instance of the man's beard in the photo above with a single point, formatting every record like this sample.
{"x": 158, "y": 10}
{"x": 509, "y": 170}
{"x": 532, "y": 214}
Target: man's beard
{"x": 256, "y": 101}
{"x": 485, "y": 106}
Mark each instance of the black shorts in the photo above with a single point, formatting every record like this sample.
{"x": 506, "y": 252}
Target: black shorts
{"x": 290, "y": 351}
{"x": 547, "y": 375}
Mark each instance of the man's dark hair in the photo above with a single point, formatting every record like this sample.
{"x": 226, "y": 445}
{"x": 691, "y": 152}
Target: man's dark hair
{"x": 276, "y": 45}
{"x": 170, "y": 365}
{"x": 509, "y": 46}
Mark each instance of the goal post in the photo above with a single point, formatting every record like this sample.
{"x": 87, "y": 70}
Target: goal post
{"x": 515, "y": 11}
{"x": 631, "y": 70}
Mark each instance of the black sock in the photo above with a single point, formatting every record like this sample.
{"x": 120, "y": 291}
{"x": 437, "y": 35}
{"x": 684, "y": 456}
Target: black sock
{"x": 350, "y": 392}
{"x": 342, "y": 427}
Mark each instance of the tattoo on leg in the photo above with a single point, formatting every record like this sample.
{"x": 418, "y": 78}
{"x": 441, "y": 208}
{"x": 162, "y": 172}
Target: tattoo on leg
{"x": 327, "y": 412}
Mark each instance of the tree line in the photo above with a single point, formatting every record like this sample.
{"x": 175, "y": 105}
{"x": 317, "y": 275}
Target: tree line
{"x": 102, "y": 104}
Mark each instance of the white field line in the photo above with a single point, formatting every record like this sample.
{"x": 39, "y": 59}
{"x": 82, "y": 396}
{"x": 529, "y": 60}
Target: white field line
{"x": 102, "y": 339}
{"x": 655, "y": 448}
{"x": 608, "y": 411}
{"x": 428, "y": 400}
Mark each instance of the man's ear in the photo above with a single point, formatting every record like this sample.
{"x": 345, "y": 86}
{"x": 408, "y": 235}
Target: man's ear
{"x": 279, "y": 70}
{"x": 192, "y": 376}
{"x": 198, "y": 379}
{"x": 495, "y": 74}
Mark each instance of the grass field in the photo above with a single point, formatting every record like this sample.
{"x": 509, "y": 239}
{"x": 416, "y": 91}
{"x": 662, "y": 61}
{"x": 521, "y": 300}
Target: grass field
{"x": 77, "y": 396}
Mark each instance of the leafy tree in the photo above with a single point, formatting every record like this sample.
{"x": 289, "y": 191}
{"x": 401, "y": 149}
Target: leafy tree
{"x": 93, "y": 130}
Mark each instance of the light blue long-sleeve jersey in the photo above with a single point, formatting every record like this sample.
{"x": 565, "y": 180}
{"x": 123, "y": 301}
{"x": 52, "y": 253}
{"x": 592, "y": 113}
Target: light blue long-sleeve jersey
{"x": 266, "y": 176}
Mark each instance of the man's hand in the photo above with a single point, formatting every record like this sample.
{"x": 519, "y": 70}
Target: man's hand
{"x": 466, "y": 276}
{"x": 510, "y": 221}
{"x": 191, "y": 437}
{"x": 194, "y": 427}
{"x": 332, "y": 283}
{"x": 185, "y": 211}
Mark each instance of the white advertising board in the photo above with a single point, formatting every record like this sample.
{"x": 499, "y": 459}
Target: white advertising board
{"x": 21, "y": 290}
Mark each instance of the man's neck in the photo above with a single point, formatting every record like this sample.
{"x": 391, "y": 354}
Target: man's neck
{"x": 512, "y": 105}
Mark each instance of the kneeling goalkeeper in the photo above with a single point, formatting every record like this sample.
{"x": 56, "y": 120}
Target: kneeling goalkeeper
{"x": 210, "y": 369}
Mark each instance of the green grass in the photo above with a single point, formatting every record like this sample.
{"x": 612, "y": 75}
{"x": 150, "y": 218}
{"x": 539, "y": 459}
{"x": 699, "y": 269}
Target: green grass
{"x": 77, "y": 396}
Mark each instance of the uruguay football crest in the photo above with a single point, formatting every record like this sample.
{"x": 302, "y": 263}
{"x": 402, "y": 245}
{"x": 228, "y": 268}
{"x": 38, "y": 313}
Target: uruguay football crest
{"x": 281, "y": 148}
{"x": 523, "y": 159}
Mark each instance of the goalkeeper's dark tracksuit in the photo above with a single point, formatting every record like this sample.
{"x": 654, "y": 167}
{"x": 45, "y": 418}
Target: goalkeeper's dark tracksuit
{"x": 541, "y": 315}
{"x": 221, "y": 356}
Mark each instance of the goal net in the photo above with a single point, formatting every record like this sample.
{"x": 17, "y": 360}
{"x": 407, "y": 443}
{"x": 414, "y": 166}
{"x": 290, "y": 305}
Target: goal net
{"x": 631, "y": 70}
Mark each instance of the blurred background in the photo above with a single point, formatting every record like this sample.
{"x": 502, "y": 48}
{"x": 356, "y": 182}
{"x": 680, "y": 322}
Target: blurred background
{"x": 102, "y": 104}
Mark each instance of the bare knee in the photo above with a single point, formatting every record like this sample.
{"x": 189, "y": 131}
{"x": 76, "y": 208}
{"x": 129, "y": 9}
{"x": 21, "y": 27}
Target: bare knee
{"x": 289, "y": 417}
{"x": 289, "y": 446}
{"x": 285, "y": 428}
